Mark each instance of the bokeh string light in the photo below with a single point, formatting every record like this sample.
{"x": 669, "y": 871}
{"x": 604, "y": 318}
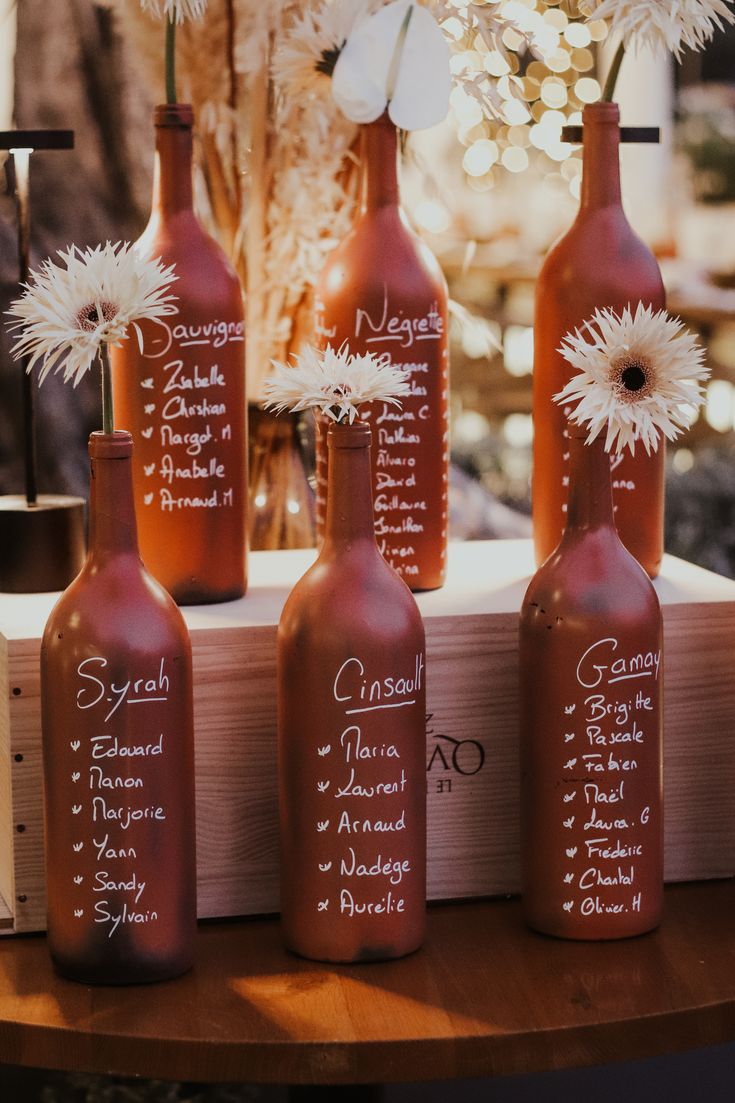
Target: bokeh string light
{"x": 542, "y": 89}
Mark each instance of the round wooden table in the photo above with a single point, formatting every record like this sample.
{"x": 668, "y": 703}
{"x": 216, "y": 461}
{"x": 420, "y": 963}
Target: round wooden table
{"x": 485, "y": 997}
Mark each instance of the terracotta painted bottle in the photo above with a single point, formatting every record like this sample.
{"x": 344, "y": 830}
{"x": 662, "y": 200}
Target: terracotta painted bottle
{"x": 591, "y": 679}
{"x": 600, "y": 262}
{"x": 383, "y": 292}
{"x": 351, "y": 737}
{"x": 116, "y": 696}
{"x": 183, "y": 397}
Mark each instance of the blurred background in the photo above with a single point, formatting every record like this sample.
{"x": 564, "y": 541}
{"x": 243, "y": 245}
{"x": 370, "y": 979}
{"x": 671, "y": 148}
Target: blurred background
{"x": 489, "y": 196}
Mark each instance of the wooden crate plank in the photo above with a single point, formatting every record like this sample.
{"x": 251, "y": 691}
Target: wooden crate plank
{"x": 472, "y": 687}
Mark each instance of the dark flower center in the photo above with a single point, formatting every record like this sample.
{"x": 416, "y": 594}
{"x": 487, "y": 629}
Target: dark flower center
{"x": 93, "y": 314}
{"x": 328, "y": 60}
{"x": 633, "y": 377}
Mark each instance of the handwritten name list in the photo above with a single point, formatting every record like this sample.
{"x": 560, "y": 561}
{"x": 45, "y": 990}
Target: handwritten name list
{"x": 606, "y": 801}
{"x": 410, "y": 442}
{"x": 366, "y": 858}
{"x": 111, "y": 808}
{"x": 186, "y": 450}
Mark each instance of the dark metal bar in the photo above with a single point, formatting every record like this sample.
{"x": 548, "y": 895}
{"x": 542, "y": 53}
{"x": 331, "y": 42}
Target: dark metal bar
{"x": 643, "y": 135}
{"x": 36, "y": 139}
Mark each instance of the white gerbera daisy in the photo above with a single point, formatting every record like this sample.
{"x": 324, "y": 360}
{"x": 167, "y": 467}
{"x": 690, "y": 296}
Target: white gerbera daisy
{"x": 71, "y": 310}
{"x": 335, "y": 383}
{"x": 309, "y": 52}
{"x": 664, "y": 25}
{"x": 178, "y": 11}
{"x": 639, "y": 377}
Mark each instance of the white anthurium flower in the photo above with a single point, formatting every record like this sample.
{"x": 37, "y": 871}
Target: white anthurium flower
{"x": 639, "y": 377}
{"x": 397, "y": 59}
{"x": 334, "y": 382}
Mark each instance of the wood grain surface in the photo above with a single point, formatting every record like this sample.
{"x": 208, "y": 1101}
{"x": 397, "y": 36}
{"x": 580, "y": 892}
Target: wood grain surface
{"x": 485, "y": 997}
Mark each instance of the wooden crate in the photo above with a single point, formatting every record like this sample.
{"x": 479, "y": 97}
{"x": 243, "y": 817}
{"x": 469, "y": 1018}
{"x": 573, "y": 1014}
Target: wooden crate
{"x": 472, "y": 758}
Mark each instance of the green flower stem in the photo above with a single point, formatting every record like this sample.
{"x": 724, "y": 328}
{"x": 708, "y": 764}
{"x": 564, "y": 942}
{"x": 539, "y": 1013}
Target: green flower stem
{"x": 171, "y": 61}
{"x": 612, "y": 76}
{"x": 108, "y": 417}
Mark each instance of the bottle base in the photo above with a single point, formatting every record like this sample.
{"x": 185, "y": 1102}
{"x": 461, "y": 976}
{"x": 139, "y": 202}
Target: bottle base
{"x": 195, "y": 596}
{"x": 118, "y": 975}
{"x": 363, "y": 956}
{"x": 549, "y": 930}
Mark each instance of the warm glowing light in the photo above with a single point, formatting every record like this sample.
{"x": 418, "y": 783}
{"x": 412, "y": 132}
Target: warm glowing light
{"x": 539, "y": 92}
{"x": 470, "y": 427}
{"x": 496, "y": 64}
{"x": 719, "y": 405}
{"x": 480, "y": 157}
{"x": 683, "y": 461}
{"x": 518, "y": 350}
{"x": 515, "y": 159}
{"x": 554, "y": 92}
{"x": 577, "y": 34}
{"x": 516, "y": 113}
{"x": 432, "y": 215}
{"x": 587, "y": 90}
{"x": 518, "y": 430}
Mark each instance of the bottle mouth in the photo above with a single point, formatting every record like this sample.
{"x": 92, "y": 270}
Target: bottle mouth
{"x": 179, "y": 115}
{"x": 110, "y": 446}
{"x": 342, "y": 435}
{"x": 603, "y": 112}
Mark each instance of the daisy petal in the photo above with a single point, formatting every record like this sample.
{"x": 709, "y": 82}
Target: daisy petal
{"x": 335, "y": 383}
{"x": 638, "y": 376}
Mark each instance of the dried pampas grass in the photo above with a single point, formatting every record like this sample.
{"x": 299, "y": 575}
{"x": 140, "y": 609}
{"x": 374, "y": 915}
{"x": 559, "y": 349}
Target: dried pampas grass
{"x": 279, "y": 172}
{"x": 279, "y": 175}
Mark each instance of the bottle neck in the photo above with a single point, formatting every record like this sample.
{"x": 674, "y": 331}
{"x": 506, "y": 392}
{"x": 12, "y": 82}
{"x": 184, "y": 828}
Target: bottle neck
{"x": 590, "y": 503}
{"x": 601, "y": 156}
{"x": 349, "y": 486}
{"x": 380, "y": 165}
{"x": 112, "y": 527}
{"x": 172, "y": 179}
